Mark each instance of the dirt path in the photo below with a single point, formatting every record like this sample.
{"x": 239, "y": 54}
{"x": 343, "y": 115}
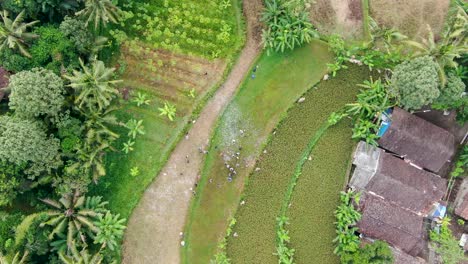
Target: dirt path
{"x": 153, "y": 232}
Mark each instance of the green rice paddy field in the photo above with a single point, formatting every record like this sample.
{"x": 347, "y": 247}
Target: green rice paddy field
{"x": 257, "y": 108}
{"x": 316, "y": 193}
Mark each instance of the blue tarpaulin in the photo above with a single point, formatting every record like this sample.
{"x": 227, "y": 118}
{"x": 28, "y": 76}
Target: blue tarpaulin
{"x": 386, "y": 122}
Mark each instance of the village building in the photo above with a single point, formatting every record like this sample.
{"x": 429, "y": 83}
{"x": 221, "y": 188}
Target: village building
{"x": 417, "y": 140}
{"x": 397, "y": 197}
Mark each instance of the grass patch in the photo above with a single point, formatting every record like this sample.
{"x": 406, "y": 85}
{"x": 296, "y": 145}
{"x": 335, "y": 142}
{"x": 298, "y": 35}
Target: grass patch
{"x": 257, "y": 108}
{"x": 264, "y": 195}
{"x": 411, "y": 17}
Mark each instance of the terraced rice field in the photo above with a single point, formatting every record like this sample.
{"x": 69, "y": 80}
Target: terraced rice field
{"x": 279, "y": 80}
{"x": 256, "y": 219}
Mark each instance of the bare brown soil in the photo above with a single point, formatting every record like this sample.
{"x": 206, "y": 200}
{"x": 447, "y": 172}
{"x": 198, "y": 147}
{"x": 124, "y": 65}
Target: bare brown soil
{"x": 342, "y": 17}
{"x": 411, "y": 17}
{"x": 153, "y": 232}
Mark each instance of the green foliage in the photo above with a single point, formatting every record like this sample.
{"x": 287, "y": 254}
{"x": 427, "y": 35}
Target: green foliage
{"x": 286, "y": 27}
{"x": 16, "y": 258}
{"x": 461, "y": 222}
{"x": 70, "y": 131}
{"x": 99, "y": 12}
{"x": 75, "y": 30}
{"x": 10, "y": 180}
{"x": 8, "y": 223}
{"x": 25, "y": 142}
{"x": 378, "y": 252}
{"x": 190, "y": 27}
{"x": 168, "y": 110}
{"x": 415, "y": 83}
{"x": 451, "y": 94}
{"x": 111, "y": 229}
{"x": 446, "y": 245}
{"x": 141, "y": 99}
{"x": 13, "y": 33}
{"x": 459, "y": 169}
{"x": 451, "y": 44}
{"x": 135, "y": 128}
{"x": 347, "y": 242}
{"x": 81, "y": 257}
{"x": 36, "y": 92}
{"x": 93, "y": 86}
{"x": 53, "y": 50}
{"x": 14, "y": 62}
{"x": 284, "y": 253}
{"x": 72, "y": 223}
{"x": 371, "y": 102}
{"x": 370, "y": 54}
{"x": 128, "y": 146}
{"x": 135, "y": 171}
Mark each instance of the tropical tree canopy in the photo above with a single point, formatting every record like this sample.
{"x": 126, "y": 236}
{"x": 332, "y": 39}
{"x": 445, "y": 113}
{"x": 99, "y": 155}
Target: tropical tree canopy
{"x": 99, "y": 12}
{"x": 415, "y": 83}
{"x": 13, "y": 33}
{"x": 36, "y": 92}
{"x": 451, "y": 93}
{"x": 94, "y": 86}
{"x": 25, "y": 142}
{"x": 452, "y": 44}
{"x": 72, "y": 217}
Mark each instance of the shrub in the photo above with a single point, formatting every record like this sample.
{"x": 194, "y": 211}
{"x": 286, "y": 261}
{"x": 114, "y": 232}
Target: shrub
{"x": 53, "y": 50}
{"x": 446, "y": 245}
{"x": 377, "y": 252}
{"x": 416, "y": 82}
{"x": 347, "y": 242}
{"x": 75, "y": 30}
{"x": 25, "y": 142}
{"x": 36, "y": 92}
{"x": 287, "y": 27}
{"x": 9, "y": 182}
{"x": 8, "y": 223}
{"x": 451, "y": 93}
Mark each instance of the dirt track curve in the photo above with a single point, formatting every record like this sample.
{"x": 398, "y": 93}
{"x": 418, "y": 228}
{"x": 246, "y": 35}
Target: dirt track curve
{"x": 153, "y": 232}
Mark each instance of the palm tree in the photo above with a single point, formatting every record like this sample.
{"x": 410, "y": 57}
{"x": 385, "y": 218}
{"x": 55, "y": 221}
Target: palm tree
{"x": 94, "y": 86}
{"x": 81, "y": 257}
{"x": 100, "y": 12}
{"x": 98, "y": 140}
{"x": 13, "y": 33}
{"x": 72, "y": 215}
{"x": 453, "y": 43}
{"x": 16, "y": 259}
{"x": 386, "y": 36}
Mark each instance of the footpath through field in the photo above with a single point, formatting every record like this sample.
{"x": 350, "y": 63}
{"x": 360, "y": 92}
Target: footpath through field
{"x": 153, "y": 231}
